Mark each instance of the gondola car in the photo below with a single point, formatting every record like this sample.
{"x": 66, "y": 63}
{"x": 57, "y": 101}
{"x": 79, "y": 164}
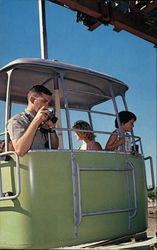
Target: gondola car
{"x": 64, "y": 197}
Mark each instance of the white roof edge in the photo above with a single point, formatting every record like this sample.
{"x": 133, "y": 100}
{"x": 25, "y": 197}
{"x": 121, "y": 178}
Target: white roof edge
{"x": 57, "y": 64}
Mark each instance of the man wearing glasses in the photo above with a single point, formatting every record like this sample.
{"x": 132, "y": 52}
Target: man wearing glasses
{"x": 31, "y": 128}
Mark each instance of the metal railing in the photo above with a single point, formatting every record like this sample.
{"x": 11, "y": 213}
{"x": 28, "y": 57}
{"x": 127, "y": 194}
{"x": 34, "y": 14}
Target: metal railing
{"x": 152, "y": 173}
{"x": 78, "y": 213}
{"x": 10, "y": 195}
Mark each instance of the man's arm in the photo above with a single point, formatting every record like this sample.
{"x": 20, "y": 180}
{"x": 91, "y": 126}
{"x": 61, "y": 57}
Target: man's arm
{"x": 114, "y": 142}
{"x": 24, "y": 142}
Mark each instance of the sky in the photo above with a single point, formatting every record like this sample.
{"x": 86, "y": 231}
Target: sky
{"x": 119, "y": 54}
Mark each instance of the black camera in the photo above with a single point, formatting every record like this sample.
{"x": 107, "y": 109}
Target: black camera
{"x": 52, "y": 117}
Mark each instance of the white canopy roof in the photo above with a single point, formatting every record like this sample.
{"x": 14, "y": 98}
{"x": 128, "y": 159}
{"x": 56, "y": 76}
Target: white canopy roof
{"x": 85, "y": 87}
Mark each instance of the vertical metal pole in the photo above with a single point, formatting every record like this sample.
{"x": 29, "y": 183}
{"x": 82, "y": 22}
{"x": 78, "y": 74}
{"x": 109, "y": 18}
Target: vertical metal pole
{"x": 49, "y": 141}
{"x": 90, "y": 119}
{"x": 7, "y": 116}
{"x": 58, "y": 111}
{"x": 1, "y": 190}
{"x": 126, "y": 163}
{"x": 7, "y": 108}
{"x": 43, "y": 33}
{"x": 124, "y": 102}
{"x": 116, "y": 108}
{"x": 66, "y": 111}
{"x": 132, "y": 132}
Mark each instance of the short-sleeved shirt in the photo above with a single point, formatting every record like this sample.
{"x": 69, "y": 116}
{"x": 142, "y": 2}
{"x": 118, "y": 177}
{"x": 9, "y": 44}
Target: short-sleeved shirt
{"x": 19, "y": 123}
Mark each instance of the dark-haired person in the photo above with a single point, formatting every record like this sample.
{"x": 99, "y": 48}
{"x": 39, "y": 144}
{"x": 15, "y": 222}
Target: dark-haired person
{"x": 115, "y": 142}
{"x": 25, "y": 128}
{"x": 87, "y": 138}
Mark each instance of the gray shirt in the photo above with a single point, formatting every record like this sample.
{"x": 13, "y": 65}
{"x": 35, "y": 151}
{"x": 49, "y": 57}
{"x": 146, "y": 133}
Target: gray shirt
{"x": 19, "y": 123}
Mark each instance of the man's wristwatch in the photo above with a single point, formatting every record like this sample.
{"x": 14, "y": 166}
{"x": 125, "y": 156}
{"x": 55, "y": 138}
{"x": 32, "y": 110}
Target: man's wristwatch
{"x": 45, "y": 131}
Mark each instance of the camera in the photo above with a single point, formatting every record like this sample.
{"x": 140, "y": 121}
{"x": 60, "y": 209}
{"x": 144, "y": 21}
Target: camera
{"x": 52, "y": 117}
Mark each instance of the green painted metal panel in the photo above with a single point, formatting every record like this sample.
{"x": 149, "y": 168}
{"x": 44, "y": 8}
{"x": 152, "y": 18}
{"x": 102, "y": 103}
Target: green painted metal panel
{"x": 43, "y": 215}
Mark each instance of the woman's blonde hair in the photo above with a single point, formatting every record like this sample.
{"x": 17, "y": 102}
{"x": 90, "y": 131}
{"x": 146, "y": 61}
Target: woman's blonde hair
{"x": 82, "y": 125}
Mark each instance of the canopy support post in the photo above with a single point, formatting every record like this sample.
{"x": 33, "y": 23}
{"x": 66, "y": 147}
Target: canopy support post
{"x": 7, "y": 108}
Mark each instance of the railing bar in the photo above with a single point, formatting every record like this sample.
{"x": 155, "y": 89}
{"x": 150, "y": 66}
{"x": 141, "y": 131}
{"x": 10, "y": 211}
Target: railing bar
{"x": 1, "y": 190}
{"x": 152, "y": 173}
{"x": 134, "y": 190}
{"x": 141, "y": 146}
{"x": 7, "y": 106}
{"x": 17, "y": 174}
{"x": 104, "y": 169}
{"x": 79, "y": 194}
{"x": 2, "y": 133}
{"x": 108, "y": 211}
{"x": 94, "y": 131}
{"x": 74, "y": 176}
{"x": 128, "y": 187}
{"x": 93, "y": 111}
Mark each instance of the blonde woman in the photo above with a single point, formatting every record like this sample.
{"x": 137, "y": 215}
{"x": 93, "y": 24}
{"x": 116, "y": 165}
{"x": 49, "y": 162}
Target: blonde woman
{"x": 87, "y": 138}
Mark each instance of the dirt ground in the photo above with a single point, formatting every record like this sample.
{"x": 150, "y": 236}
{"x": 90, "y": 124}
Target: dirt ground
{"x": 152, "y": 220}
{"x": 152, "y": 227}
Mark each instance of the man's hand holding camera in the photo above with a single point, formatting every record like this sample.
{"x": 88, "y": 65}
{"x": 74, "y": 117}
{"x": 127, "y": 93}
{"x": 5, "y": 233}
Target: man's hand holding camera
{"x": 47, "y": 118}
{"x": 41, "y": 115}
{"x": 47, "y": 123}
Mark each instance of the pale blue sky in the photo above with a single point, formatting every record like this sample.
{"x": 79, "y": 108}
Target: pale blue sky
{"x": 121, "y": 55}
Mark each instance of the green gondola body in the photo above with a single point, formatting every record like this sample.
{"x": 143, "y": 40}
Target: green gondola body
{"x": 68, "y": 197}
{"x": 43, "y": 214}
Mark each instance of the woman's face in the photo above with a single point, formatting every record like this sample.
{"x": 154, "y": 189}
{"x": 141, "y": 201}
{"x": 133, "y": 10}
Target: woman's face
{"x": 128, "y": 126}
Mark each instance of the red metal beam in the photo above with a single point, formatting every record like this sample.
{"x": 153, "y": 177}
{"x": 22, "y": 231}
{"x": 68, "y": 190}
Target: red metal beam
{"x": 134, "y": 23}
{"x": 89, "y": 7}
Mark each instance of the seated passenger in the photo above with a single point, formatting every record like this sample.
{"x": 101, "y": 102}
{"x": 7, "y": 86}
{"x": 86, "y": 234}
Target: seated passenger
{"x": 88, "y": 138}
{"x": 115, "y": 141}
